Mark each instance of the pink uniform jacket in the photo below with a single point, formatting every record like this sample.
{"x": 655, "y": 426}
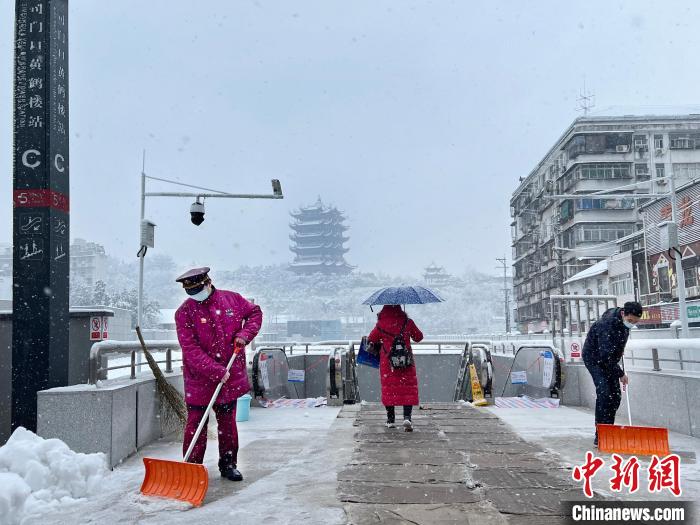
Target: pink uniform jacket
{"x": 206, "y": 331}
{"x": 399, "y": 386}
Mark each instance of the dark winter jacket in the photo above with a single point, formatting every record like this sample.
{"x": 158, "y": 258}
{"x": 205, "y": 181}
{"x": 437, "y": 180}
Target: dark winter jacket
{"x": 605, "y": 343}
{"x": 399, "y": 386}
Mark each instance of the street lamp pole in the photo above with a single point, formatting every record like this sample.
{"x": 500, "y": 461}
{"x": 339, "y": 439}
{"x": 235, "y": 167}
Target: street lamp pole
{"x": 142, "y": 250}
{"x": 206, "y": 193}
{"x": 680, "y": 275}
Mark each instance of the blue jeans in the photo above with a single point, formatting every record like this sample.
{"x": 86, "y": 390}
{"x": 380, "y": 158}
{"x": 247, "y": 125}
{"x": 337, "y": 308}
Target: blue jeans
{"x": 608, "y": 395}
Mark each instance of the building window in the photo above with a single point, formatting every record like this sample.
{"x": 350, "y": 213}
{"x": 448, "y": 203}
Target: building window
{"x": 605, "y": 204}
{"x": 641, "y": 171}
{"x": 567, "y": 210}
{"x": 622, "y": 284}
{"x": 684, "y": 140}
{"x": 602, "y": 232}
{"x": 691, "y": 276}
{"x": 598, "y": 143}
{"x": 660, "y": 172}
{"x": 640, "y": 143}
{"x": 604, "y": 171}
{"x": 664, "y": 280}
{"x": 689, "y": 170}
{"x": 597, "y": 171}
{"x": 658, "y": 141}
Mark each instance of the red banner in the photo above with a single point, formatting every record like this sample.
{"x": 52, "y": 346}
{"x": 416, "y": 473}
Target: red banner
{"x": 41, "y": 199}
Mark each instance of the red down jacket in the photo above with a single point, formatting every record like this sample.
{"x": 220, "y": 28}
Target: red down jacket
{"x": 399, "y": 386}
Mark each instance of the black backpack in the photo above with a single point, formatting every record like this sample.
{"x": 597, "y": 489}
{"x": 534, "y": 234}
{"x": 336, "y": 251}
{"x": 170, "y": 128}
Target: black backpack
{"x": 399, "y": 355}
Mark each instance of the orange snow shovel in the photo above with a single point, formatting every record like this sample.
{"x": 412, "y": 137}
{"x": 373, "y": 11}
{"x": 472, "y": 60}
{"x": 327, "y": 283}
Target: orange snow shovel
{"x": 643, "y": 441}
{"x": 179, "y": 479}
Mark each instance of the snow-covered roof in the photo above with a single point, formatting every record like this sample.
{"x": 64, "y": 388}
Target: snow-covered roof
{"x": 596, "y": 269}
{"x": 621, "y": 111}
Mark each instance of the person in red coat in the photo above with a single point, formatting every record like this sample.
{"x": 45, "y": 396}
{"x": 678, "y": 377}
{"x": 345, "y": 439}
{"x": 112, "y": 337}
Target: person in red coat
{"x": 399, "y": 385}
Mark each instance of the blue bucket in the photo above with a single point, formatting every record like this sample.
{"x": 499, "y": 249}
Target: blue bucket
{"x": 243, "y": 407}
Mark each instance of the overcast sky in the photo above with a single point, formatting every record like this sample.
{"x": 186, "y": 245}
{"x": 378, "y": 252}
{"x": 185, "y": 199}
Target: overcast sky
{"x": 415, "y": 118}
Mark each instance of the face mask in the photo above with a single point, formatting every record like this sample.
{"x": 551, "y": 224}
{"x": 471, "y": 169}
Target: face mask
{"x": 202, "y": 295}
{"x": 628, "y": 324}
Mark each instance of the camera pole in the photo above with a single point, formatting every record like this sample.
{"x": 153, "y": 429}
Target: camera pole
{"x": 142, "y": 249}
{"x": 145, "y": 243}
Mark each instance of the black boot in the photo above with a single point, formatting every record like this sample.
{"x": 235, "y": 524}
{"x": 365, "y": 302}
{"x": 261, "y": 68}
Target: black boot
{"x": 228, "y": 469}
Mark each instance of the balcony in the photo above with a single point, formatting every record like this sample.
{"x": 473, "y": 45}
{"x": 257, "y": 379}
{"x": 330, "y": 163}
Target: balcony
{"x": 656, "y": 298}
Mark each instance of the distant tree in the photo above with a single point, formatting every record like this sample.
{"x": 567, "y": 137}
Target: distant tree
{"x": 100, "y": 296}
{"x": 128, "y": 300}
{"x": 80, "y": 293}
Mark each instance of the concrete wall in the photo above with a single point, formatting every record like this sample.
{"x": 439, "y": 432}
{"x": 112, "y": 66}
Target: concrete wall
{"x": 5, "y": 376}
{"x": 665, "y": 399}
{"x": 116, "y": 419}
{"x": 662, "y": 399}
{"x": 78, "y": 355}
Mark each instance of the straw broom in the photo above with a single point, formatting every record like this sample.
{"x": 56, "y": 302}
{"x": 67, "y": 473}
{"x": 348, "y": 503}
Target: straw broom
{"x": 176, "y": 411}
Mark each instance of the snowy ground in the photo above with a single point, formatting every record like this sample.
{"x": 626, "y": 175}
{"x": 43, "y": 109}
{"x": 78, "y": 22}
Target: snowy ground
{"x": 568, "y": 432}
{"x": 289, "y": 458}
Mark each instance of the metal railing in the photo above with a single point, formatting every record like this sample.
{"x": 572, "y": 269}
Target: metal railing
{"x": 311, "y": 346}
{"x": 675, "y": 347}
{"x": 132, "y": 348}
{"x": 651, "y": 353}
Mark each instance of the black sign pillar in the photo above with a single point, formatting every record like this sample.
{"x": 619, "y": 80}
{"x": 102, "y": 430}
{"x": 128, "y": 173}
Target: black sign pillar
{"x": 40, "y": 198}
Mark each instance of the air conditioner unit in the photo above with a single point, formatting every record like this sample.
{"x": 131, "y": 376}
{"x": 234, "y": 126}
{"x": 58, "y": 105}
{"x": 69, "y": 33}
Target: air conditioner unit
{"x": 659, "y": 152}
{"x": 661, "y": 182}
{"x": 692, "y": 291}
{"x": 622, "y": 148}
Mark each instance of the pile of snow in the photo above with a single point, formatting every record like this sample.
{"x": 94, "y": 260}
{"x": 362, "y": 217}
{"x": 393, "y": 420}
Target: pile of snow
{"x": 39, "y": 474}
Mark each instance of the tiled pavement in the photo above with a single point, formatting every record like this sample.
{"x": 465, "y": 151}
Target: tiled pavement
{"x": 460, "y": 465}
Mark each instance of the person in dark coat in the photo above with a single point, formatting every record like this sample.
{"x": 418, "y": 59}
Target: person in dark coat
{"x": 399, "y": 385}
{"x": 602, "y": 351}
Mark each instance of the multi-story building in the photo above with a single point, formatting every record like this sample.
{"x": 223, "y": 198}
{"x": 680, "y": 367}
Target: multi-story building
{"x": 88, "y": 262}
{"x": 555, "y": 237}
{"x": 662, "y": 292}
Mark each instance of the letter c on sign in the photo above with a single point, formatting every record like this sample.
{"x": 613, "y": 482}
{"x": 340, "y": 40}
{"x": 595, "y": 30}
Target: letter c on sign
{"x": 25, "y": 158}
{"x": 58, "y": 161}
{"x": 576, "y": 512}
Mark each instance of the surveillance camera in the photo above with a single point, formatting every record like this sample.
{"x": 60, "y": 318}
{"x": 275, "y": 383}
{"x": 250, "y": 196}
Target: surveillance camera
{"x": 276, "y": 188}
{"x": 197, "y": 213}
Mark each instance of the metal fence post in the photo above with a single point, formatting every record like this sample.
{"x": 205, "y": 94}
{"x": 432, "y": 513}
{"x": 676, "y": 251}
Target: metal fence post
{"x": 168, "y": 360}
{"x": 680, "y": 358}
{"x": 133, "y": 364}
{"x": 655, "y": 359}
